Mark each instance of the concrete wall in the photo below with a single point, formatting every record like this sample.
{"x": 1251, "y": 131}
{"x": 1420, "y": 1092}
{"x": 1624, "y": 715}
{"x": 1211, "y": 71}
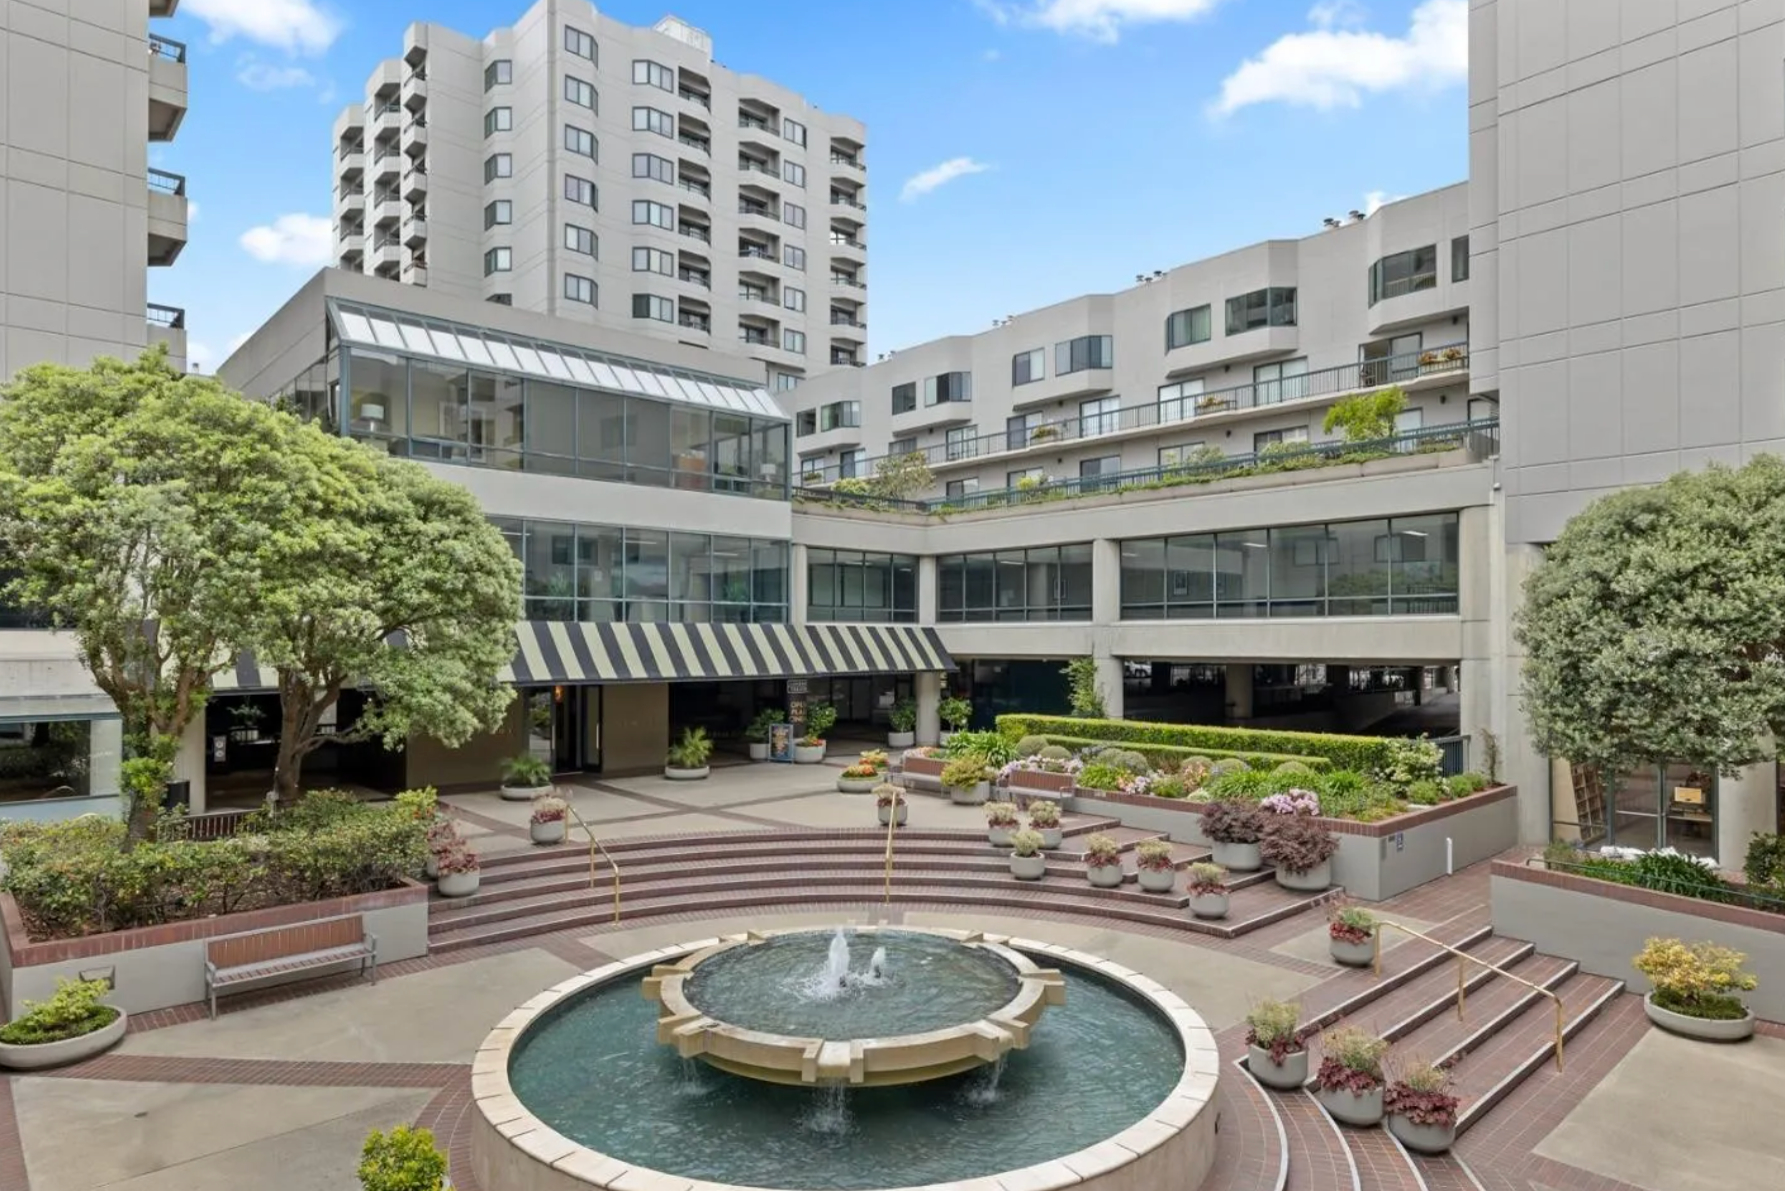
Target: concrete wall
{"x": 477, "y": 762}
{"x": 634, "y": 727}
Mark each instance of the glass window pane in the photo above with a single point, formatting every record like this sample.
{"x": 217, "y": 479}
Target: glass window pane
{"x": 1357, "y": 567}
{"x": 1242, "y": 573}
{"x": 646, "y": 575}
{"x": 1143, "y": 573}
{"x": 769, "y": 573}
{"x": 600, "y": 559}
{"x": 1423, "y": 568}
{"x": 1298, "y": 570}
{"x": 1190, "y": 576}
{"x": 438, "y": 406}
{"x": 551, "y": 419}
{"x": 445, "y": 343}
{"x": 690, "y": 433}
{"x": 503, "y": 355}
{"x": 690, "y": 567}
{"x": 378, "y": 405}
{"x": 601, "y": 435}
{"x": 978, "y": 587}
{"x": 647, "y": 442}
{"x": 551, "y": 571}
{"x": 1075, "y": 582}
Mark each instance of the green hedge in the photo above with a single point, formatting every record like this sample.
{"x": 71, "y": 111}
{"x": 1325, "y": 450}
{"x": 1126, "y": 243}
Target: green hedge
{"x": 1366, "y": 754}
{"x": 1171, "y": 756}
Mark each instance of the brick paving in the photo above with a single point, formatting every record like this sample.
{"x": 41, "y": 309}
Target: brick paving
{"x": 13, "y": 1175}
{"x": 1319, "y": 1158}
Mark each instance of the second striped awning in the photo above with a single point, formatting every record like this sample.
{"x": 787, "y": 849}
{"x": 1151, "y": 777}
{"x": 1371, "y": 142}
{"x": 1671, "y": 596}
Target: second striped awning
{"x": 581, "y": 652}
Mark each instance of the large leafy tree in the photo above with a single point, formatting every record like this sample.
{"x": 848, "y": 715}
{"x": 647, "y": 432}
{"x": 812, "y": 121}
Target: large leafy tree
{"x": 1654, "y": 629}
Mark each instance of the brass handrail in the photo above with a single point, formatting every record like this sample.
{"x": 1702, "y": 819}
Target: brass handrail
{"x": 594, "y": 846}
{"x": 1461, "y": 982}
{"x": 892, "y": 825}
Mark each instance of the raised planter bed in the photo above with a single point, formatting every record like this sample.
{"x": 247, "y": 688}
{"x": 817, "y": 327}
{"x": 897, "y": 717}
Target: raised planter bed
{"x": 69, "y": 1050}
{"x": 923, "y": 772}
{"x": 1027, "y": 782}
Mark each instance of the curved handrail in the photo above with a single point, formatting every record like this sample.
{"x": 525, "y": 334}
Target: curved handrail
{"x": 1474, "y": 959}
{"x": 596, "y": 845}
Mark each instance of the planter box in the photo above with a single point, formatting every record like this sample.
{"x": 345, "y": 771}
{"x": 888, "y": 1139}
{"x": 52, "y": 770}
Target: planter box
{"x": 1423, "y": 1139}
{"x": 1352, "y": 955}
{"x": 1236, "y": 858}
{"x": 1702, "y": 1028}
{"x": 459, "y": 884}
{"x": 1209, "y": 905}
{"x": 69, "y": 1050}
{"x": 904, "y": 813}
{"x": 1028, "y": 868}
{"x": 1351, "y": 1108}
{"x": 686, "y": 775}
{"x": 922, "y": 772}
{"x": 1000, "y": 837}
{"x": 1313, "y": 881}
{"x": 759, "y": 751}
{"x": 1051, "y": 837}
{"x": 155, "y": 967}
{"x": 1291, "y": 1075}
{"x": 900, "y": 740}
{"x": 1104, "y": 876}
{"x": 1040, "y": 782}
{"x": 550, "y": 832}
{"x": 523, "y": 793}
{"x": 808, "y": 754}
{"x": 1157, "y": 880}
{"x": 975, "y": 795}
{"x": 857, "y": 785}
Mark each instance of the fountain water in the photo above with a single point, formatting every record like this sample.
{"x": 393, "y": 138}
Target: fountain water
{"x": 877, "y": 966}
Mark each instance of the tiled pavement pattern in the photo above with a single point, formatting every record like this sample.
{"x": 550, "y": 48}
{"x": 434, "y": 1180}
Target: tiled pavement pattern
{"x": 1266, "y": 1140}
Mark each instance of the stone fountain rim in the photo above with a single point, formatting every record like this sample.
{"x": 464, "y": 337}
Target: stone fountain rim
{"x": 536, "y": 1157}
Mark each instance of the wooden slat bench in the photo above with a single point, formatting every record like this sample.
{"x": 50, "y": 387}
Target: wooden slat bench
{"x": 285, "y": 950}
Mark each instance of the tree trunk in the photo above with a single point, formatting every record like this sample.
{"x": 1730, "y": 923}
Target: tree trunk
{"x": 288, "y": 770}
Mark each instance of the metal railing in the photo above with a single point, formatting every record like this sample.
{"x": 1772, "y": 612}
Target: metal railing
{"x": 843, "y": 200}
{"x": 696, "y": 232}
{"x": 171, "y": 317}
{"x": 700, "y": 188}
{"x": 162, "y": 182}
{"x": 745, "y": 120}
{"x": 751, "y": 250}
{"x": 696, "y": 97}
{"x": 166, "y": 47}
{"x": 1462, "y": 980}
{"x": 752, "y": 166}
{"x": 844, "y": 320}
{"x": 596, "y": 846}
{"x": 846, "y": 241}
{"x": 846, "y": 159}
{"x": 699, "y": 324}
{"x": 748, "y": 208}
{"x": 1455, "y": 750}
{"x": 704, "y": 280}
{"x": 695, "y": 142}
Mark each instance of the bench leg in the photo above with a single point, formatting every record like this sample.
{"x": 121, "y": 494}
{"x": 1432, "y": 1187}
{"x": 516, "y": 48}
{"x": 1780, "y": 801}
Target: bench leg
{"x": 213, "y": 999}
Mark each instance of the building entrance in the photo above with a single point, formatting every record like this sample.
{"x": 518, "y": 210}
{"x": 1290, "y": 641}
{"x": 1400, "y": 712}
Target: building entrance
{"x": 564, "y": 727}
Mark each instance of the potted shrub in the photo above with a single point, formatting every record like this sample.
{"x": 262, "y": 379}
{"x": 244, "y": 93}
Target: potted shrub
{"x": 1351, "y": 934}
{"x": 820, "y": 719}
{"x": 903, "y": 721}
{"x": 1157, "y": 873}
{"x": 1695, "y": 987}
{"x": 460, "y": 871}
{"x": 72, "y": 1025}
{"x": 757, "y": 734}
{"x": 967, "y": 780}
{"x": 1207, "y": 885}
{"x": 891, "y": 803}
{"x": 1233, "y": 828}
{"x": 688, "y": 756}
{"x": 1026, "y": 861}
{"x": 860, "y": 778}
{"x": 1275, "y": 1054}
{"x": 525, "y": 777}
{"x": 1349, "y": 1085}
{"x": 1046, "y": 432}
{"x": 443, "y": 833}
{"x": 1044, "y": 817}
{"x": 1301, "y": 850}
{"x": 1103, "y": 861}
{"x": 547, "y": 822}
{"x": 1001, "y": 823}
{"x": 1422, "y": 1114}
{"x": 404, "y": 1159}
{"x": 954, "y": 711}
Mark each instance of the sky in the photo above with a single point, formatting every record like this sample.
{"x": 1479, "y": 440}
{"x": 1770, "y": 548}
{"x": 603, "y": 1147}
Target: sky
{"x": 1020, "y": 152}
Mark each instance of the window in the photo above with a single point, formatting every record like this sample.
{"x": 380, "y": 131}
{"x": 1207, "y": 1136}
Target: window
{"x": 1179, "y": 401}
{"x": 1179, "y": 455}
{"x": 805, "y": 423}
{"x": 653, "y": 260}
{"x": 499, "y": 73}
{"x": 1403, "y": 566}
{"x": 1041, "y": 583}
{"x": 1385, "y": 361}
{"x": 579, "y": 289}
{"x": 499, "y": 212}
{"x": 793, "y": 173}
{"x": 1459, "y": 259}
{"x": 786, "y": 382}
{"x": 793, "y": 258}
{"x": 580, "y": 239}
{"x": 904, "y": 398}
{"x": 1404, "y": 273}
{"x": 961, "y": 442}
{"x": 793, "y": 299}
{"x": 651, "y": 306}
{"x": 1285, "y": 380}
{"x": 498, "y": 120}
{"x": 1094, "y": 473}
{"x": 1016, "y": 431}
{"x": 1099, "y": 416}
{"x": 1185, "y": 327}
{"x": 794, "y": 131}
{"x": 579, "y": 43}
{"x": 580, "y": 92}
{"x": 1035, "y": 475}
{"x": 649, "y": 165}
{"x": 1277, "y": 438}
{"x": 501, "y": 299}
{"x": 1261, "y": 308}
{"x": 902, "y": 446}
{"x": 498, "y": 165}
{"x": 1483, "y": 409}
{"x": 647, "y": 73}
{"x": 849, "y": 465}
{"x": 1028, "y": 366}
{"x": 652, "y": 120}
{"x": 948, "y": 387}
{"x": 793, "y": 341}
{"x": 654, "y": 214}
{"x": 1087, "y": 351}
{"x": 579, "y": 141}
{"x": 839, "y": 415}
{"x": 956, "y": 489}
{"x": 851, "y": 585}
{"x": 580, "y": 190}
{"x": 498, "y": 260}
{"x": 793, "y": 215}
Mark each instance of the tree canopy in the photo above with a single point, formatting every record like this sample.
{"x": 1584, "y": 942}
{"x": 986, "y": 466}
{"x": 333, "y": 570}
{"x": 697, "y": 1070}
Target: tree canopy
{"x": 1654, "y": 629}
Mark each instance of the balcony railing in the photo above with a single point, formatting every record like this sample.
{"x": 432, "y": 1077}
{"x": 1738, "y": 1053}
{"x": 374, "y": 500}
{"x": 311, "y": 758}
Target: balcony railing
{"x": 845, "y": 159}
{"x": 752, "y": 250}
{"x": 696, "y": 97}
{"x": 697, "y": 232}
{"x": 701, "y": 143}
{"x": 745, "y": 120}
{"x": 171, "y": 317}
{"x": 695, "y": 321}
{"x": 162, "y": 182}
{"x": 843, "y": 320}
{"x": 760, "y": 338}
{"x": 847, "y": 241}
{"x": 839, "y": 199}
{"x": 752, "y": 166}
{"x": 846, "y": 279}
{"x": 749, "y": 208}
{"x": 166, "y": 47}
{"x": 700, "y": 188}
{"x": 704, "y": 280}
{"x": 844, "y": 358}
{"x": 1178, "y": 411}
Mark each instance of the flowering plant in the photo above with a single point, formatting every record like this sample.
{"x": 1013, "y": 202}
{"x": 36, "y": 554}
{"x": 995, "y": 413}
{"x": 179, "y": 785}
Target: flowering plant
{"x": 1421, "y": 1093}
{"x": 1271, "y": 1025}
{"x": 887, "y": 794}
{"x": 1204, "y": 879}
{"x": 922, "y": 750}
{"x": 1351, "y": 924}
{"x": 1040, "y": 764}
{"x": 1026, "y": 843}
{"x": 1231, "y": 822}
{"x": 548, "y": 808}
{"x": 1101, "y": 851}
{"x": 1353, "y": 1061}
{"x": 965, "y": 772}
{"x": 861, "y": 771}
{"x": 874, "y": 759}
{"x": 1295, "y": 843}
{"x": 1043, "y": 813}
{"x": 1000, "y": 814}
{"x": 458, "y": 859}
{"x": 1154, "y": 855}
{"x": 443, "y": 833}
{"x": 1291, "y": 802}
{"x": 1696, "y": 979}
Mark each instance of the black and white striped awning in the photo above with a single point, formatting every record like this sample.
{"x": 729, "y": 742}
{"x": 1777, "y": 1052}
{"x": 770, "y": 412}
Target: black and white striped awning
{"x": 555, "y": 651}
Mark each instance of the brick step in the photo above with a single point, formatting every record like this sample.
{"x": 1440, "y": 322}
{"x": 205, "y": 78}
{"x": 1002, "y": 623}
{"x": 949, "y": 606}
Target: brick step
{"x": 1525, "y": 1047}
{"x": 1380, "y": 1161}
{"x": 1318, "y": 1157}
{"x": 1352, "y": 989}
{"x": 1445, "y": 1172}
{"x": 1447, "y": 1038}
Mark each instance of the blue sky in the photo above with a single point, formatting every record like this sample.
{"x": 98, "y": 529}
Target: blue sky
{"x": 1077, "y": 142}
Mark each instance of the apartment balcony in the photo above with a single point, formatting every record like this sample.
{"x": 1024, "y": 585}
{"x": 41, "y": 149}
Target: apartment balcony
{"x": 167, "y": 216}
{"x": 415, "y": 91}
{"x": 831, "y": 439}
{"x": 695, "y": 231}
{"x": 415, "y": 271}
{"x": 350, "y": 126}
{"x": 749, "y": 166}
{"x": 764, "y": 212}
{"x": 847, "y": 250}
{"x": 848, "y": 202}
{"x": 388, "y": 119}
{"x": 755, "y": 252}
{"x": 850, "y": 163}
{"x": 1254, "y": 346}
{"x": 696, "y": 186}
{"x": 699, "y": 278}
{"x": 746, "y": 120}
{"x": 415, "y": 138}
{"x": 846, "y": 359}
{"x": 163, "y": 8}
{"x": 925, "y": 417}
{"x": 352, "y": 251}
{"x": 1086, "y": 382}
{"x": 699, "y": 143}
{"x": 851, "y": 281}
{"x": 415, "y": 231}
{"x": 167, "y": 324}
{"x": 388, "y": 212}
{"x": 350, "y": 164}
{"x": 415, "y": 183}
{"x": 387, "y": 166}
{"x": 167, "y": 86}
{"x": 702, "y": 323}
{"x": 849, "y": 337}
{"x": 756, "y": 337}
{"x": 350, "y": 204}
{"x": 388, "y": 252}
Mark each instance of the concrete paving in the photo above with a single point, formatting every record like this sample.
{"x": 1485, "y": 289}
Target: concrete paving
{"x": 733, "y": 785}
{"x": 1679, "y": 1115}
{"x": 1313, "y": 944}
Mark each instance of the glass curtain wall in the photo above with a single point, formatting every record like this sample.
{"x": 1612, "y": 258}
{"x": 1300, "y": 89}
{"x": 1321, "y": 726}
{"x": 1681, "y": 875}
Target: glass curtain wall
{"x": 855, "y": 586}
{"x": 1044, "y": 583}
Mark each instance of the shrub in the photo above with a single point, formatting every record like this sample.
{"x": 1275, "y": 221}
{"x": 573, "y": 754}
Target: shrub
{"x": 1232, "y": 822}
{"x": 1464, "y": 784}
{"x": 1427, "y": 793}
{"x": 875, "y": 759}
{"x": 1272, "y": 1025}
{"x": 548, "y": 808}
{"x": 315, "y": 811}
{"x": 955, "y": 712}
{"x": 442, "y": 834}
{"x": 1031, "y": 746}
{"x": 887, "y": 794}
{"x": 1764, "y": 865}
{"x": 820, "y": 719}
{"x": 1204, "y": 878}
{"x": 1166, "y": 785}
{"x": 1366, "y": 417}
{"x": 964, "y": 772}
{"x": 990, "y": 745}
{"x": 1295, "y": 767}
{"x": 1195, "y": 770}
{"x": 1351, "y": 924}
{"x": 527, "y": 772}
{"x": 1421, "y": 1093}
{"x": 1083, "y": 694}
{"x": 404, "y": 1159}
{"x": 1043, "y": 813}
{"x": 1051, "y": 752}
{"x": 1352, "y": 1062}
{"x": 1296, "y": 844}
{"x": 1026, "y": 842}
{"x": 1102, "y": 850}
{"x": 1101, "y": 776}
{"x": 1410, "y": 761}
{"x": 1227, "y": 765}
{"x": 422, "y": 803}
{"x": 1364, "y": 753}
{"x": 860, "y": 772}
{"x": 903, "y": 716}
{"x": 1154, "y": 855}
{"x": 1132, "y": 761}
{"x": 766, "y": 718}
{"x": 1696, "y": 979}
{"x": 72, "y": 1011}
{"x": 1673, "y": 872}
{"x": 1171, "y": 756}
{"x": 1001, "y": 814}
{"x": 692, "y": 749}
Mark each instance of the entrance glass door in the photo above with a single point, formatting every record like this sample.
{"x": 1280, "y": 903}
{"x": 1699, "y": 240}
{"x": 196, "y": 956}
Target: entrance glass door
{"x": 564, "y": 727}
{"x": 1671, "y": 806}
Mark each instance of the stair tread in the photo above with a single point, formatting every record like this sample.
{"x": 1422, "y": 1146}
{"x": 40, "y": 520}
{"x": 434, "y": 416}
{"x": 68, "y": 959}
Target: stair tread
{"x": 1381, "y": 1164}
{"x": 1531, "y": 1033}
{"x": 1443, "y": 1172}
{"x": 1439, "y": 1038}
{"x": 1319, "y": 1159}
{"x": 1397, "y": 1003}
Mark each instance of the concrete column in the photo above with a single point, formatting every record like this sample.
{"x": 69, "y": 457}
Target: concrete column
{"x": 1521, "y": 764}
{"x": 1746, "y": 803}
{"x": 1106, "y": 582}
{"x": 189, "y": 762}
{"x": 105, "y": 754}
{"x": 1238, "y": 695}
{"x": 799, "y": 586}
{"x": 926, "y": 589}
{"x": 1109, "y": 684}
{"x": 929, "y": 699}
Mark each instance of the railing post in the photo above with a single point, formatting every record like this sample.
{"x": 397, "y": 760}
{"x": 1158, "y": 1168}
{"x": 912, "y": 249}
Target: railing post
{"x": 1559, "y": 1032}
{"x": 892, "y": 825}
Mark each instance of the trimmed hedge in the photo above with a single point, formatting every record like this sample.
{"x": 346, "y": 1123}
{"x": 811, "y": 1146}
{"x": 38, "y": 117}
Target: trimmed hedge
{"x": 1366, "y": 754}
{"x": 1172, "y": 756}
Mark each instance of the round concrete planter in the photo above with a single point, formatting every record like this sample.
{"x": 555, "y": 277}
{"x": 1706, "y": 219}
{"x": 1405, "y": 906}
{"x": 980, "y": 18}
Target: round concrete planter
{"x": 69, "y": 1050}
{"x": 857, "y": 785}
{"x": 1104, "y": 876}
{"x": 1028, "y": 868}
{"x": 1352, "y": 955}
{"x": 1312, "y": 881}
{"x": 975, "y": 795}
{"x": 1000, "y": 837}
{"x": 1702, "y": 1028}
{"x": 904, "y": 812}
{"x": 458, "y": 884}
{"x": 1351, "y": 1108}
{"x": 759, "y": 750}
{"x": 1286, "y": 1076}
{"x": 1237, "y": 858}
{"x": 1209, "y": 905}
{"x": 524, "y": 793}
{"x": 1052, "y": 837}
{"x": 686, "y": 775}
{"x": 1158, "y": 880}
{"x": 808, "y": 754}
{"x": 900, "y": 740}
{"x": 1424, "y": 1139}
{"x": 549, "y": 832}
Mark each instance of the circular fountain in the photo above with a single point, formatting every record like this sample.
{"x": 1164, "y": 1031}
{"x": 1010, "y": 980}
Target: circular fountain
{"x": 782, "y": 1060}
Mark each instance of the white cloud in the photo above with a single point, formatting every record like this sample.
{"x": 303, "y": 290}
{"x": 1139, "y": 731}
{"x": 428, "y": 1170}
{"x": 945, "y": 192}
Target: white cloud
{"x": 306, "y": 240}
{"x": 1378, "y": 199}
{"x": 191, "y": 211}
{"x": 936, "y": 176}
{"x": 262, "y": 76}
{"x": 1330, "y": 67}
{"x": 1331, "y": 14}
{"x": 295, "y": 26}
{"x": 1099, "y": 20}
